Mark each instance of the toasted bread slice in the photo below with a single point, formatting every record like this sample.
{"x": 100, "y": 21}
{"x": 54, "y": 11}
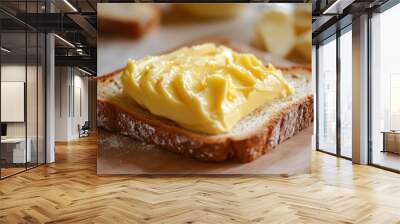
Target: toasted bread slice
{"x": 251, "y": 137}
{"x": 126, "y": 19}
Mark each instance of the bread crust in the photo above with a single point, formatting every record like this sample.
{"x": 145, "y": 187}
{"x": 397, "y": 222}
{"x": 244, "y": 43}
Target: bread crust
{"x": 281, "y": 127}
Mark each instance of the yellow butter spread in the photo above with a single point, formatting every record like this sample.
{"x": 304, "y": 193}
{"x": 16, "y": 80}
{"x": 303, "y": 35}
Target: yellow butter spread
{"x": 205, "y": 88}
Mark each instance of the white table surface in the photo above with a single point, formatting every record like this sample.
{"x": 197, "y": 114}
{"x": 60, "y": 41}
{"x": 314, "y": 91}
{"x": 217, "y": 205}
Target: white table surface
{"x": 18, "y": 151}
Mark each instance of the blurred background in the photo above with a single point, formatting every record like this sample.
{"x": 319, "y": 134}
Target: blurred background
{"x": 282, "y": 30}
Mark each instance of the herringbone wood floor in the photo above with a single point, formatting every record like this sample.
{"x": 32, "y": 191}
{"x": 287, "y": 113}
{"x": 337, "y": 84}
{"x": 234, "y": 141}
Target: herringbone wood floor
{"x": 70, "y": 192}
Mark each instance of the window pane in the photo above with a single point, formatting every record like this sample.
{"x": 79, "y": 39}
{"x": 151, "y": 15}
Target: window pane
{"x": 346, "y": 94}
{"x": 385, "y": 86}
{"x": 327, "y": 97}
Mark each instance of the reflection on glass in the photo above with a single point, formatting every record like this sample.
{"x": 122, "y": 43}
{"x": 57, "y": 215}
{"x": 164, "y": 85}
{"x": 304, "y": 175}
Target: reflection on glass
{"x": 327, "y": 97}
{"x": 385, "y": 84}
{"x": 346, "y": 94}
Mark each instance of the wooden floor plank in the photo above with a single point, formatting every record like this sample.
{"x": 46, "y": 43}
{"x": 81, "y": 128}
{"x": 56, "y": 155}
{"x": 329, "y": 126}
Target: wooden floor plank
{"x": 69, "y": 191}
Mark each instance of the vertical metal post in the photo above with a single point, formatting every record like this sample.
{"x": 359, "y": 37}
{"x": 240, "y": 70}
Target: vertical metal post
{"x": 0, "y": 99}
{"x": 317, "y": 96}
{"x": 37, "y": 91}
{"x": 45, "y": 95}
{"x": 26, "y": 88}
{"x": 369, "y": 83}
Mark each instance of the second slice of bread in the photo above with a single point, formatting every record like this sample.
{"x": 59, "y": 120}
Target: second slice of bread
{"x": 126, "y": 19}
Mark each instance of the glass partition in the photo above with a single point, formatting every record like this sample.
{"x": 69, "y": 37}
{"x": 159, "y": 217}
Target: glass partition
{"x": 22, "y": 107}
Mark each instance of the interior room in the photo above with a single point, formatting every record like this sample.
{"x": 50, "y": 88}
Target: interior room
{"x": 49, "y": 114}
{"x": 24, "y": 89}
{"x": 333, "y": 53}
{"x": 384, "y": 89}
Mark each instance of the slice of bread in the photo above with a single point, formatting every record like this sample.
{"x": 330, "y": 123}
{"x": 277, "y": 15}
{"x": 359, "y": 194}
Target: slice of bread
{"x": 126, "y": 19}
{"x": 253, "y": 136}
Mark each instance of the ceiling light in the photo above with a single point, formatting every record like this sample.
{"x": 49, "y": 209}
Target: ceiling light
{"x": 65, "y": 41}
{"x": 332, "y": 6}
{"x": 337, "y": 7}
{"x": 84, "y": 71}
{"x": 70, "y": 5}
{"x": 5, "y": 50}
{"x": 79, "y": 51}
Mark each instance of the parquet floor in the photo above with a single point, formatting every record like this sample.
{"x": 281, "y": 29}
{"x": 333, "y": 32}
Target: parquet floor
{"x": 70, "y": 192}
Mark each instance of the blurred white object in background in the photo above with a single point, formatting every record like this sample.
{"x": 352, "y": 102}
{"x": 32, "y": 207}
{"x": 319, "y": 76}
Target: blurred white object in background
{"x": 275, "y": 32}
{"x": 285, "y": 31}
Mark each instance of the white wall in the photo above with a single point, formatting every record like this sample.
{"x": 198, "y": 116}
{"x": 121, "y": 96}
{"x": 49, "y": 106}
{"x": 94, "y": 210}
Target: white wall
{"x": 70, "y": 83}
{"x": 62, "y": 82}
{"x": 17, "y": 73}
{"x": 82, "y": 83}
{"x": 14, "y": 73}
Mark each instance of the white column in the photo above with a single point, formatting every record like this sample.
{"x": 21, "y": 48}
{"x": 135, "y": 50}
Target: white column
{"x": 360, "y": 90}
{"x": 50, "y": 98}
